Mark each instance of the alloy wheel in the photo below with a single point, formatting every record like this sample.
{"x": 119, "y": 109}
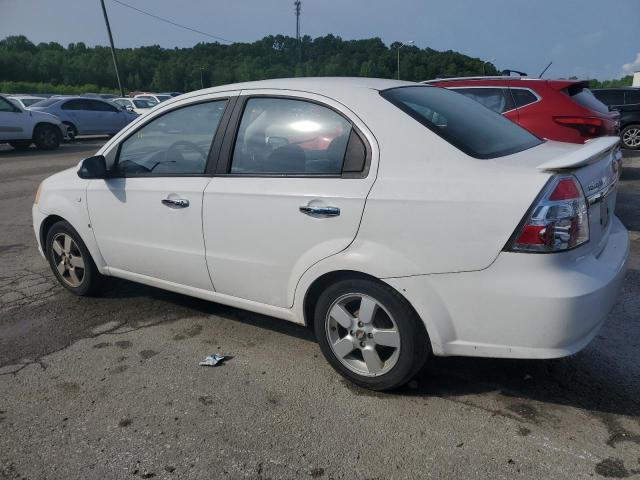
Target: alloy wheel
{"x": 363, "y": 335}
{"x": 46, "y": 137}
{"x": 68, "y": 260}
{"x": 631, "y": 138}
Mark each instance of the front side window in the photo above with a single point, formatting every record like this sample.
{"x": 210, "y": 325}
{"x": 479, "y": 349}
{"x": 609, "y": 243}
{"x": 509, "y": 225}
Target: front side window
{"x": 632, "y": 97}
{"x": 76, "y": 105}
{"x": 176, "y": 143}
{"x": 463, "y": 122}
{"x": 284, "y": 136}
{"x": 497, "y": 99}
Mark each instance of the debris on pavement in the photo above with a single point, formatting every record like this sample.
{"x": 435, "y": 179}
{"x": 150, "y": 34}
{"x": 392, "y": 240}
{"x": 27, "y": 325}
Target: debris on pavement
{"x": 213, "y": 360}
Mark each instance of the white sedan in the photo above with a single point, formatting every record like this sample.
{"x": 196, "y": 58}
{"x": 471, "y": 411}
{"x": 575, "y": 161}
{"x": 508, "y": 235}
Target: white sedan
{"x": 137, "y": 105}
{"x": 398, "y": 220}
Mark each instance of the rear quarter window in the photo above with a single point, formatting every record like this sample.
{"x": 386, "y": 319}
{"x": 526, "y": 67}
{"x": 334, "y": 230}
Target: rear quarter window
{"x": 464, "y": 123}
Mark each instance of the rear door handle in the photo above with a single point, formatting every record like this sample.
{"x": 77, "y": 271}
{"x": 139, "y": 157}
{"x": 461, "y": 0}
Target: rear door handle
{"x": 320, "y": 211}
{"x": 175, "y": 202}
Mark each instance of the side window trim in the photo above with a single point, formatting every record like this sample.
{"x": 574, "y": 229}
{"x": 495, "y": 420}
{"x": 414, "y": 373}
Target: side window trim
{"x": 212, "y": 157}
{"x": 223, "y": 166}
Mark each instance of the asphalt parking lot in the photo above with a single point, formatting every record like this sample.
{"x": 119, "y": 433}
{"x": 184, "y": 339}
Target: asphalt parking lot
{"x": 110, "y": 387}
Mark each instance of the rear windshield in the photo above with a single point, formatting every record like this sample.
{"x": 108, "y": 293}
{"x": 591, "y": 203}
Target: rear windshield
{"x": 465, "y": 123}
{"x": 585, "y": 98}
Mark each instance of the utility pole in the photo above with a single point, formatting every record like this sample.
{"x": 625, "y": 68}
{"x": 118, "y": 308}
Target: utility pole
{"x": 113, "y": 50}
{"x": 201, "y": 77}
{"x": 297, "y": 4}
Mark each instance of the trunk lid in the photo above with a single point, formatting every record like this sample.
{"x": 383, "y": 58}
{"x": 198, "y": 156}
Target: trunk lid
{"x": 596, "y": 164}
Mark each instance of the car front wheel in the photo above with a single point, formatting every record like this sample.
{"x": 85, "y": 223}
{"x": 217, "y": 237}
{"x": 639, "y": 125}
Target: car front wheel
{"x": 370, "y": 334}
{"x": 70, "y": 260}
{"x": 47, "y": 137}
{"x": 631, "y": 137}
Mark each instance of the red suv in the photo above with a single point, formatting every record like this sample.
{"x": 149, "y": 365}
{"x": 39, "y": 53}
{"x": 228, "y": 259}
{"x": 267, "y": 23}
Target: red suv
{"x": 563, "y": 110}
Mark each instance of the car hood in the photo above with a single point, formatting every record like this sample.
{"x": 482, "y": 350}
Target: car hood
{"x": 44, "y": 116}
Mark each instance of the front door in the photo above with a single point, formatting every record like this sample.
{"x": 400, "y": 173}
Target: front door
{"x": 14, "y": 123}
{"x": 147, "y": 219}
{"x": 289, "y": 191}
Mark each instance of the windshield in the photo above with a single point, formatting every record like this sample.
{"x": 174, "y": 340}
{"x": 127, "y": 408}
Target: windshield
{"x": 46, "y": 103}
{"x": 465, "y": 123}
{"x": 27, "y": 102}
{"x": 139, "y": 103}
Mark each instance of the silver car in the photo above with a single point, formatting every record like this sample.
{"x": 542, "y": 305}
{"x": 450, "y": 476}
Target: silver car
{"x": 86, "y": 116}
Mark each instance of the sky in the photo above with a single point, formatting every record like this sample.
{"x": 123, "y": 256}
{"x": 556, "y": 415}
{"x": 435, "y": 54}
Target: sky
{"x": 584, "y": 38}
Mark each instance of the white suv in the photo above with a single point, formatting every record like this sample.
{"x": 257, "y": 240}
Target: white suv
{"x": 396, "y": 219}
{"x": 20, "y": 127}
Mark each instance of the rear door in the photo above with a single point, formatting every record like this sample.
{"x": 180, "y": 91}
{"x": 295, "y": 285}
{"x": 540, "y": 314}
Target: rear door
{"x": 107, "y": 118}
{"x": 289, "y": 190}
{"x": 81, "y": 115}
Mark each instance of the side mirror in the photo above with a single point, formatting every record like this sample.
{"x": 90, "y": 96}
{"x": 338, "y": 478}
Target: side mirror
{"x": 93, "y": 168}
{"x": 129, "y": 108}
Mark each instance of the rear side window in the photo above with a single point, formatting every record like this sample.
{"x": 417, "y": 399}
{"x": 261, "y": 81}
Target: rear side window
{"x": 99, "y": 106}
{"x": 523, "y": 97}
{"x": 464, "y": 123}
{"x": 610, "y": 97}
{"x": 585, "y": 98}
{"x": 279, "y": 136}
{"x": 632, "y": 97}
{"x": 497, "y": 99}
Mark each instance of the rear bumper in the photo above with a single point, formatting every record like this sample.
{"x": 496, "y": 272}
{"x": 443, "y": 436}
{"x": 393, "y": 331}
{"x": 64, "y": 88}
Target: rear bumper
{"x": 523, "y": 305}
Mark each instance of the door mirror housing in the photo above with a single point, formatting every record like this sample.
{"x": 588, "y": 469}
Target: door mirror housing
{"x": 93, "y": 168}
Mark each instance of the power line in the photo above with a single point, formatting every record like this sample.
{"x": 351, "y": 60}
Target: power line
{"x": 215, "y": 37}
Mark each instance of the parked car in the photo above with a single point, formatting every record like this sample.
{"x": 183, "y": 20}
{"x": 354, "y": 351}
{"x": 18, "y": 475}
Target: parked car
{"x": 137, "y": 105}
{"x": 627, "y": 102}
{"x": 86, "y": 116}
{"x": 562, "y": 110}
{"x": 172, "y": 94}
{"x": 155, "y": 97}
{"x": 25, "y": 101}
{"x": 395, "y": 219}
{"x": 20, "y": 127}
{"x": 103, "y": 96}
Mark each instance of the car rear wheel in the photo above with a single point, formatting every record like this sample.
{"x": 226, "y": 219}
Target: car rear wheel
{"x": 631, "y": 137}
{"x": 370, "y": 334}
{"x": 47, "y": 137}
{"x": 72, "y": 131}
{"x": 70, "y": 260}
{"x": 21, "y": 144}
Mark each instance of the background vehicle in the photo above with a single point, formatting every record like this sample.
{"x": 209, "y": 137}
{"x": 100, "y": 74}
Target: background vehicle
{"x": 155, "y": 97}
{"x": 562, "y": 110}
{"x": 358, "y": 207}
{"x": 137, "y": 105}
{"x": 25, "y": 101}
{"x": 20, "y": 127}
{"x": 627, "y": 102}
{"x": 103, "y": 96}
{"x": 86, "y": 116}
{"x": 172, "y": 94}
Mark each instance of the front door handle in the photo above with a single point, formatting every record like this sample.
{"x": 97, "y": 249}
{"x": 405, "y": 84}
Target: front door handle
{"x": 175, "y": 202}
{"x": 320, "y": 211}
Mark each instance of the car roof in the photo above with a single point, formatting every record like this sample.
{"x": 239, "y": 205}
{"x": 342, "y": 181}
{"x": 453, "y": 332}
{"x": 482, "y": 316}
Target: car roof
{"x": 339, "y": 88}
{"x": 616, "y": 88}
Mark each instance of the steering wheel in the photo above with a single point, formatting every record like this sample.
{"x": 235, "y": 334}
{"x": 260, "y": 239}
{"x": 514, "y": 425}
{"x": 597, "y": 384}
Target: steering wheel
{"x": 173, "y": 149}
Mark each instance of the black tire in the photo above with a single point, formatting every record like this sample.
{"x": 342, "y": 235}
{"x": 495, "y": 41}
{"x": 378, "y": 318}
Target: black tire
{"x": 47, "y": 137}
{"x": 630, "y": 137}
{"x": 72, "y": 131}
{"x": 21, "y": 144}
{"x": 414, "y": 344}
{"x": 91, "y": 278}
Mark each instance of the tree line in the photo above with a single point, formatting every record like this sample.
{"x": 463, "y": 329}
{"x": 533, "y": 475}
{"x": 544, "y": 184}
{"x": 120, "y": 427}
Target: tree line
{"x": 53, "y": 68}
{"x": 77, "y": 67}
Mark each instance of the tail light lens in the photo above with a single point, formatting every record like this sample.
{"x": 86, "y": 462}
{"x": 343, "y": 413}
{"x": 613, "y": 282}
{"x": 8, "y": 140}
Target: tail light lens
{"x": 588, "y": 127}
{"x": 558, "y": 221}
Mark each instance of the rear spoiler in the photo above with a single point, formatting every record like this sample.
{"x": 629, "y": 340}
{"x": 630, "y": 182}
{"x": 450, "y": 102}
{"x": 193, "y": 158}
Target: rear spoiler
{"x": 590, "y": 152}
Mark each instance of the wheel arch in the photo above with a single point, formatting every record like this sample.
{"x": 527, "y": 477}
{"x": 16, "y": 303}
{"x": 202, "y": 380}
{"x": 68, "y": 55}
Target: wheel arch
{"x": 43, "y": 124}
{"x": 315, "y": 289}
{"x": 45, "y": 226}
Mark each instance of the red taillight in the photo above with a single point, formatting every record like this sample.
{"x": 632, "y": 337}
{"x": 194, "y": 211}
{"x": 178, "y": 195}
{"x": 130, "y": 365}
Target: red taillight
{"x": 588, "y": 127}
{"x": 558, "y": 221}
